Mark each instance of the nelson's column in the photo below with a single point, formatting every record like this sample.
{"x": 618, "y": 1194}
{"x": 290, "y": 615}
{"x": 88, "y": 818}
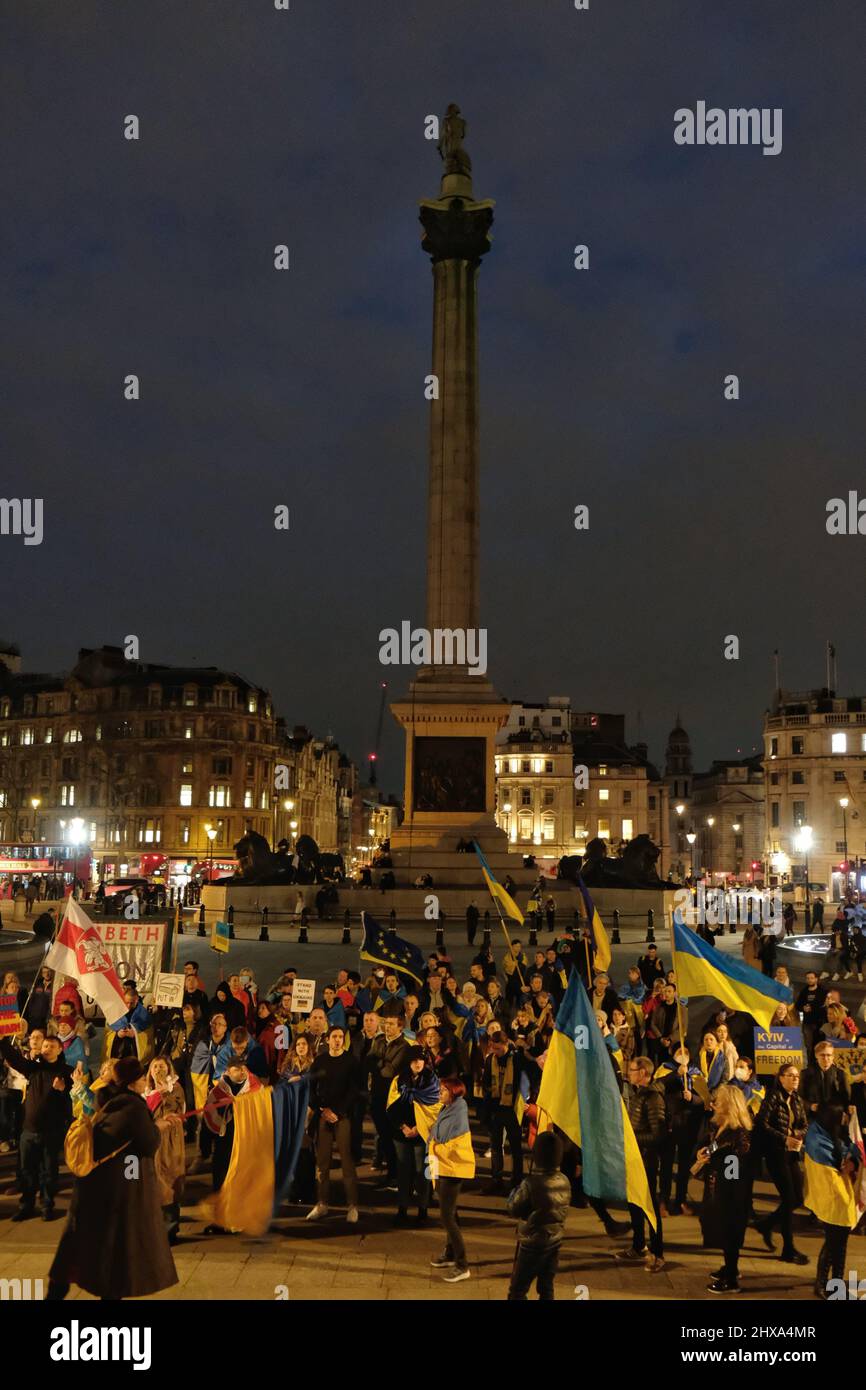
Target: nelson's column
{"x": 451, "y": 716}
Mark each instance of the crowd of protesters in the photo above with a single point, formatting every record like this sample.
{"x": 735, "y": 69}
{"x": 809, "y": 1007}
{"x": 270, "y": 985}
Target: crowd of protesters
{"x": 418, "y": 1081}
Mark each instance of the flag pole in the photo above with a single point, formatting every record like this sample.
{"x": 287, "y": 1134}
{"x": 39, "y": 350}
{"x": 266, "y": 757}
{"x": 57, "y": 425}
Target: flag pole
{"x": 677, "y": 994}
{"x": 508, "y": 939}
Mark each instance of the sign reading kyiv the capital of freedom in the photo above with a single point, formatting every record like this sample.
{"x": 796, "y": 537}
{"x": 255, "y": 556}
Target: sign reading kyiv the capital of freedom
{"x": 776, "y": 1046}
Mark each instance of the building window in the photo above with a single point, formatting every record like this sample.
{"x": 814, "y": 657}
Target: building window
{"x": 652, "y": 803}
{"x": 628, "y": 829}
{"x": 67, "y": 795}
{"x": 153, "y": 728}
{"x": 150, "y": 831}
{"x": 3, "y": 799}
{"x": 774, "y": 747}
{"x": 548, "y": 796}
{"x": 548, "y": 828}
{"x": 838, "y": 777}
{"x": 604, "y": 794}
{"x": 797, "y": 745}
{"x": 774, "y": 814}
{"x": 251, "y": 769}
{"x": 626, "y": 797}
{"x": 548, "y": 765}
{"x": 98, "y": 734}
{"x": 185, "y": 794}
{"x": 186, "y": 766}
{"x": 48, "y": 736}
{"x": 521, "y": 720}
{"x": 798, "y": 778}
{"x": 774, "y": 779}
{"x": 219, "y": 795}
{"x": 263, "y": 804}
{"x": 26, "y": 735}
{"x": 251, "y": 733}
{"x": 838, "y": 743}
{"x": 221, "y": 767}
{"x": 863, "y": 743}
{"x": 840, "y": 846}
{"x": 604, "y": 829}
{"x": 524, "y": 766}
{"x": 556, "y": 721}
{"x": 602, "y": 769}
{"x": 248, "y": 799}
{"x": 72, "y": 736}
{"x": 525, "y": 796}
{"x": 190, "y": 696}
{"x": 525, "y": 827}
{"x": 799, "y": 809}
{"x": 187, "y": 733}
{"x": 252, "y": 705}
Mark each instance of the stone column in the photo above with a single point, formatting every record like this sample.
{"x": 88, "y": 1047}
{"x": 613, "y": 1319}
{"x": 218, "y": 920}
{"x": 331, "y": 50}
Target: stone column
{"x": 456, "y": 236}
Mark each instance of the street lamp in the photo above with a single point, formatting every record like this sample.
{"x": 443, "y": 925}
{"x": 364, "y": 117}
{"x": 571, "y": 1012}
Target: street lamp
{"x": 35, "y": 802}
{"x": 711, "y": 820}
{"x": 76, "y": 835}
{"x": 803, "y": 843}
{"x": 679, "y": 808}
{"x": 691, "y": 837}
{"x": 293, "y": 826}
{"x": 843, "y": 802}
{"x": 210, "y": 831}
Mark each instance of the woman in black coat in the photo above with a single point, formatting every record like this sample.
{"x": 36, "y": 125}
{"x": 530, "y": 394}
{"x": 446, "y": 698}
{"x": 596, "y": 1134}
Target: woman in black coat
{"x": 781, "y": 1130}
{"x": 115, "y": 1243}
{"x": 232, "y": 1009}
{"x": 724, "y": 1163}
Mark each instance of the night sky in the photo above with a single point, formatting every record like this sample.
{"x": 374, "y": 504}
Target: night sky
{"x": 604, "y": 387}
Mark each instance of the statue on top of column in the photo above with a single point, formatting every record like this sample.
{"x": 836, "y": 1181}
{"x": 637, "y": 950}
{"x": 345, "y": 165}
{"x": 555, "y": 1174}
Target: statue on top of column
{"x": 450, "y": 146}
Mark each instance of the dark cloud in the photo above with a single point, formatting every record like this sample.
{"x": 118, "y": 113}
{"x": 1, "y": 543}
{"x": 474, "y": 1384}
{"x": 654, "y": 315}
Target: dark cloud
{"x": 603, "y": 387}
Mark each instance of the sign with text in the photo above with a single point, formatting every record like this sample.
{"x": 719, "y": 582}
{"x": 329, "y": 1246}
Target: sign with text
{"x": 168, "y": 993}
{"x": 775, "y": 1047}
{"x": 9, "y": 1017}
{"x": 136, "y": 950}
{"x": 303, "y": 996}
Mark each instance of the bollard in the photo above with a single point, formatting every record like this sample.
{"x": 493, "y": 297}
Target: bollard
{"x": 392, "y": 922}
{"x": 347, "y": 934}
{"x": 615, "y": 937}
{"x": 485, "y": 934}
{"x": 230, "y": 915}
{"x": 533, "y": 931}
{"x": 303, "y": 939}
{"x": 201, "y": 931}
{"x": 551, "y": 919}
{"x": 264, "y": 935}
{"x": 650, "y": 934}
{"x": 440, "y": 933}
{"x": 807, "y": 918}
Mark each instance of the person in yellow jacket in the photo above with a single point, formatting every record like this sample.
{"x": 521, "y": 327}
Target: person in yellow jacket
{"x": 451, "y": 1160}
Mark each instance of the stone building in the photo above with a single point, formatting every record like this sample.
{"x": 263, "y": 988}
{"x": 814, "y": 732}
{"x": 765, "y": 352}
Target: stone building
{"x": 815, "y": 766}
{"x": 538, "y": 804}
{"x": 731, "y": 796}
{"x": 134, "y": 762}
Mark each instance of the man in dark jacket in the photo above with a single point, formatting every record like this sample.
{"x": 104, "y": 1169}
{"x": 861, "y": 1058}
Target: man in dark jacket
{"x": 650, "y": 967}
{"x": 472, "y": 918}
{"x": 824, "y": 1083}
{"x": 386, "y": 1057}
{"x": 812, "y": 1006}
{"x": 47, "y": 1116}
{"x": 503, "y": 1069}
{"x": 541, "y": 1203}
{"x": 646, "y": 1111}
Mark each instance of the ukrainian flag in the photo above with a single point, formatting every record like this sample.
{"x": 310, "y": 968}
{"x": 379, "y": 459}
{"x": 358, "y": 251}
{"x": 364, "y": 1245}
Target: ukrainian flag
{"x": 601, "y": 956}
{"x": 580, "y": 1095}
{"x": 425, "y": 1103}
{"x": 703, "y": 969}
{"x": 828, "y": 1193}
{"x": 268, "y": 1131}
{"x": 497, "y": 892}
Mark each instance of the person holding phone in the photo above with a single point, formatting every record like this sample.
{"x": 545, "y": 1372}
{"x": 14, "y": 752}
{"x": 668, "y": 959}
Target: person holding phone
{"x": 724, "y": 1163}
{"x": 782, "y": 1128}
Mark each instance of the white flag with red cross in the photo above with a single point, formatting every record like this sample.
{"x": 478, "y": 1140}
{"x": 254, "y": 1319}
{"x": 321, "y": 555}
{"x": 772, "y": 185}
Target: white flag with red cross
{"x": 79, "y": 951}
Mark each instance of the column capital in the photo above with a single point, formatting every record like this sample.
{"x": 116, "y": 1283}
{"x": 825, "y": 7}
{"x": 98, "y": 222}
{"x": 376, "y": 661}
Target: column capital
{"x": 456, "y": 228}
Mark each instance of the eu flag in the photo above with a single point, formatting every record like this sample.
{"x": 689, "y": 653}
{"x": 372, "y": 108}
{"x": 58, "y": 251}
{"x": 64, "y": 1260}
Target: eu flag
{"x": 386, "y": 948}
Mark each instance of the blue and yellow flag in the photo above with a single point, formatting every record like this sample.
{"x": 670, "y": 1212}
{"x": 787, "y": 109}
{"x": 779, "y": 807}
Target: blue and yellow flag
{"x": 703, "y": 969}
{"x": 580, "y": 1095}
{"x": 828, "y": 1193}
{"x": 601, "y": 956}
{"x": 268, "y": 1130}
{"x": 425, "y": 1102}
{"x": 497, "y": 892}
{"x": 386, "y": 948}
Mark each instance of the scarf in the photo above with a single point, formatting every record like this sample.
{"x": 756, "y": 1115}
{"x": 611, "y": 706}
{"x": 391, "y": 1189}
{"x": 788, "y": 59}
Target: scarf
{"x": 503, "y": 1080}
{"x": 713, "y": 1069}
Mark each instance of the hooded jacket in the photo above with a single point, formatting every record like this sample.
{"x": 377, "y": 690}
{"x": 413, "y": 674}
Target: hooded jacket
{"x": 541, "y": 1203}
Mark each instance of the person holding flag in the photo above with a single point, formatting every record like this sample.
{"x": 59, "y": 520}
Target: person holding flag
{"x": 580, "y": 1096}
{"x": 79, "y": 953}
{"x": 833, "y": 1160}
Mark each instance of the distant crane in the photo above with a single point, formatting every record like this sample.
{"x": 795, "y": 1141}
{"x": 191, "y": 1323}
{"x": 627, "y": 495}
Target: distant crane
{"x": 375, "y": 754}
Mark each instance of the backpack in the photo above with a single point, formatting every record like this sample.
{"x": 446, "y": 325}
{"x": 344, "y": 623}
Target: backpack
{"x": 78, "y": 1148}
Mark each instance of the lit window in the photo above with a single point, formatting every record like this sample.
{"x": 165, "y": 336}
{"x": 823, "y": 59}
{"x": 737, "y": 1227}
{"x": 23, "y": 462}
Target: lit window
{"x": 838, "y": 743}
{"x": 67, "y": 795}
{"x": 252, "y": 705}
{"x": 515, "y": 764}
{"x": 628, "y": 829}
{"x": 537, "y": 764}
{"x": 548, "y": 828}
{"x": 187, "y": 733}
{"x": 264, "y": 801}
{"x": 248, "y": 799}
{"x": 184, "y": 832}
{"x": 604, "y": 794}
{"x": 26, "y": 735}
{"x": 602, "y": 769}
{"x": 219, "y": 795}
{"x": 863, "y": 743}
{"x": 186, "y": 794}
{"x": 604, "y": 829}
{"x": 98, "y": 733}
{"x": 3, "y": 799}
{"x": 72, "y": 736}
